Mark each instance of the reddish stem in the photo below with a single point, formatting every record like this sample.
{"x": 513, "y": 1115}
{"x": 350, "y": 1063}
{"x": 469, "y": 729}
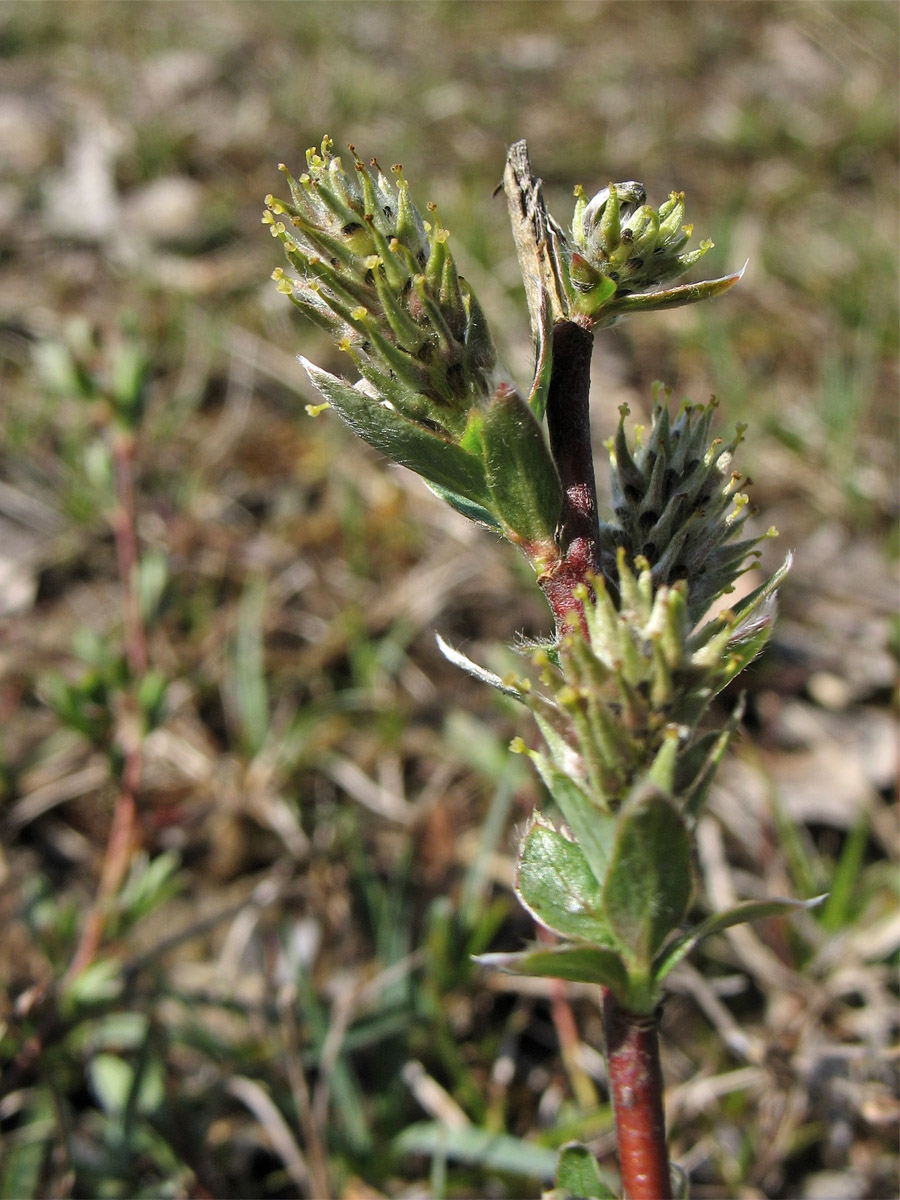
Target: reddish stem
{"x": 120, "y": 849}
{"x": 632, "y": 1053}
{"x": 123, "y": 835}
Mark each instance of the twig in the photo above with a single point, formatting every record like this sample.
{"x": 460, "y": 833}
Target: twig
{"x": 631, "y": 1041}
{"x": 632, "y": 1053}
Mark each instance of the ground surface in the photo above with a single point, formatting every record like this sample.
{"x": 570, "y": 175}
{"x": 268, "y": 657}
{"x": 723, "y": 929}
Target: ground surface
{"x": 292, "y": 1012}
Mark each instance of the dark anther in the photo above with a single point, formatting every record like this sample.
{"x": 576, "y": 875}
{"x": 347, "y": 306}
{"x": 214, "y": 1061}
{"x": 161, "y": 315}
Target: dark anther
{"x": 456, "y": 379}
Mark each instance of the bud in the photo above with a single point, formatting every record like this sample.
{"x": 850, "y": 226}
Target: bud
{"x": 678, "y": 505}
{"x": 368, "y": 268}
{"x": 381, "y": 279}
{"x": 624, "y": 250}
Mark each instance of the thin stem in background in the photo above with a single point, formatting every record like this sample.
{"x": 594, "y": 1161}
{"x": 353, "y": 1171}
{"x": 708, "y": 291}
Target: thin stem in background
{"x": 124, "y": 832}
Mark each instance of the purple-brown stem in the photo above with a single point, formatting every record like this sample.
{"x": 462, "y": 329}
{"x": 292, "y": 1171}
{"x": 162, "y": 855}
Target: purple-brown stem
{"x": 569, "y": 427}
{"x": 632, "y": 1044}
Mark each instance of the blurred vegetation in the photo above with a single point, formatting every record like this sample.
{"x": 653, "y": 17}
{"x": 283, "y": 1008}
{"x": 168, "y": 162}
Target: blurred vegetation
{"x": 282, "y": 1001}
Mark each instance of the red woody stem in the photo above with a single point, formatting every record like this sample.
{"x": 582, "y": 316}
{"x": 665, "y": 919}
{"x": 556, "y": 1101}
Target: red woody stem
{"x": 632, "y": 1053}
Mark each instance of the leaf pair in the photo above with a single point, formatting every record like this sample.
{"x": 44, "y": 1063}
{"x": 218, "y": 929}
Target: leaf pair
{"x": 618, "y": 896}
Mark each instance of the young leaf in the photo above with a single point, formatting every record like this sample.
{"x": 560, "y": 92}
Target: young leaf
{"x": 685, "y": 293}
{"x": 747, "y": 910}
{"x": 437, "y": 459}
{"x": 594, "y": 829}
{"x": 649, "y": 882}
{"x": 556, "y": 885}
{"x": 524, "y": 485}
{"x": 482, "y": 674}
{"x": 468, "y": 508}
{"x": 578, "y": 1174}
{"x": 578, "y": 964}
{"x": 484, "y": 1148}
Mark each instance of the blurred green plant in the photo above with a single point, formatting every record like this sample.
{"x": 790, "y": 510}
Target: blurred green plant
{"x": 644, "y": 637}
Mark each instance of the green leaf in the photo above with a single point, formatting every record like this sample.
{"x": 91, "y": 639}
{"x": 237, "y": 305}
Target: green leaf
{"x": 701, "y": 762}
{"x": 524, "y": 485}
{"x": 128, "y": 381}
{"x": 594, "y": 829}
{"x": 248, "y": 681}
{"x": 27, "y": 1146}
{"x": 150, "y": 883}
{"x": 578, "y": 1173}
{"x": 468, "y": 508}
{"x": 685, "y": 293}
{"x": 591, "y": 302}
{"x": 648, "y": 886}
{"x": 117, "y": 1084}
{"x": 99, "y": 983}
{"x": 153, "y": 576}
{"x": 151, "y": 696}
{"x": 482, "y": 674}
{"x": 556, "y": 885}
{"x": 747, "y": 910}
{"x": 482, "y": 1147}
{"x": 845, "y": 879}
{"x": 742, "y": 610}
{"x": 578, "y": 964}
{"x": 431, "y": 455}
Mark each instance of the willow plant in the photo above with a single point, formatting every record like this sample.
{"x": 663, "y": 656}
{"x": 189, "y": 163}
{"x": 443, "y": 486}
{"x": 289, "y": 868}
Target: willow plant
{"x": 643, "y": 640}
